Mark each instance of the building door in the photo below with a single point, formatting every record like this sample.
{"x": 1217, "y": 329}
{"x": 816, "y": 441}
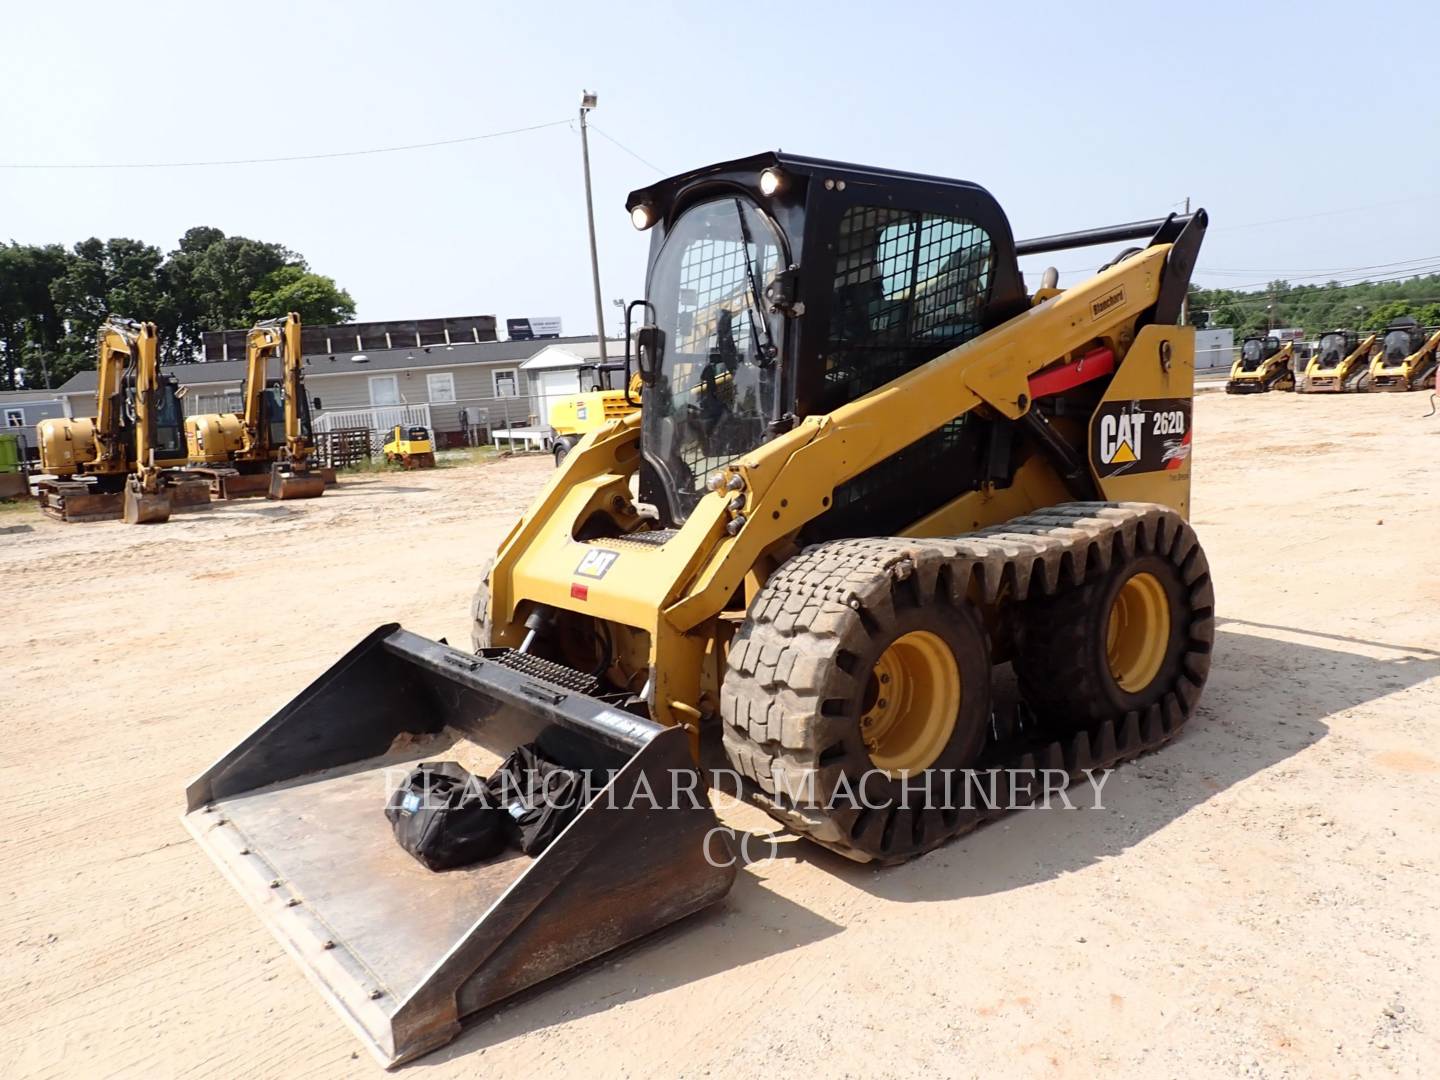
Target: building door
{"x": 550, "y": 386}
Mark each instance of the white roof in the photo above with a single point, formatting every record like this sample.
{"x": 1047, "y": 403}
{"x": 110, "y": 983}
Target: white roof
{"x": 572, "y": 354}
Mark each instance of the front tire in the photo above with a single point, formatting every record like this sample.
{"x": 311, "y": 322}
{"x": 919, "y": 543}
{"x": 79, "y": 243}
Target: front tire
{"x": 480, "y": 611}
{"x": 835, "y": 710}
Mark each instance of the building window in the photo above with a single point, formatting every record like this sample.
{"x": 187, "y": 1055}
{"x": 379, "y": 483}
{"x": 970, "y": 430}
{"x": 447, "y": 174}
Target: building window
{"x": 507, "y": 382}
{"x": 384, "y": 390}
{"x": 14, "y": 418}
{"x": 441, "y": 385}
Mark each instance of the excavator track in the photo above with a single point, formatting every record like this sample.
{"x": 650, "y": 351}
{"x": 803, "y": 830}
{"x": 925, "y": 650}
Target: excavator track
{"x": 776, "y": 731}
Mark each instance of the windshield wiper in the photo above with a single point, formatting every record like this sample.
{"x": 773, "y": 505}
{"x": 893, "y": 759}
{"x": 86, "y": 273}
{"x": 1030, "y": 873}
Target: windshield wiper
{"x": 767, "y": 351}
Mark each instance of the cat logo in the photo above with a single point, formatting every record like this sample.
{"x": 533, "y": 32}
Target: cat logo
{"x": 596, "y": 563}
{"x": 1120, "y": 435}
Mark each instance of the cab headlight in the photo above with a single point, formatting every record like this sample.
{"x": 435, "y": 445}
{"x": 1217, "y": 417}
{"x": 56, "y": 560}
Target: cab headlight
{"x": 772, "y": 181}
{"x": 643, "y": 216}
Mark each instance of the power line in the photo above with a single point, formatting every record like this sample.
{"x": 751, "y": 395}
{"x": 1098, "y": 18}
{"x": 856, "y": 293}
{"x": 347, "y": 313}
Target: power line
{"x": 289, "y": 157}
{"x": 610, "y": 139}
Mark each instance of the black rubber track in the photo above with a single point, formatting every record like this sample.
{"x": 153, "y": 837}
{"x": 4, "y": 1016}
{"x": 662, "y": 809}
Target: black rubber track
{"x": 773, "y": 701}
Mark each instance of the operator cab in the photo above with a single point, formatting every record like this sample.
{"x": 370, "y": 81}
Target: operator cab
{"x": 781, "y": 287}
{"x": 272, "y": 414}
{"x": 1335, "y": 346}
{"x": 1256, "y": 350}
{"x": 1403, "y": 337}
{"x": 169, "y": 436}
{"x": 595, "y": 377}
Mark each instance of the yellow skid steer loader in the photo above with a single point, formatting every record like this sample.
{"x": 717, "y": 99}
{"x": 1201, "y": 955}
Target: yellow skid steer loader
{"x": 870, "y": 465}
{"x": 1341, "y": 363}
{"x": 1406, "y": 358}
{"x": 1264, "y": 364}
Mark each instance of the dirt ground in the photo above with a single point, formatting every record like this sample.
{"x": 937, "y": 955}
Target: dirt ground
{"x": 1257, "y": 899}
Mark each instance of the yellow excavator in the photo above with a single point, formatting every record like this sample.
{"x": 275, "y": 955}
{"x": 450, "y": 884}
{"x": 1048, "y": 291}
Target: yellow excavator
{"x": 124, "y": 461}
{"x": 1406, "y": 358}
{"x": 887, "y": 468}
{"x": 1341, "y": 363}
{"x": 1264, "y": 364}
{"x": 612, "y": 396}
{"x": 266, "y": 449}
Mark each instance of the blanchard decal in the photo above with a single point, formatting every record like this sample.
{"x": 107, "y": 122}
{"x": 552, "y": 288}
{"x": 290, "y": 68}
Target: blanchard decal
{"x": 596, "y": 563}
{"x": 1140, "y": 436}
{"x": 580, "y": 411}
{"x": 1107, "y": 303}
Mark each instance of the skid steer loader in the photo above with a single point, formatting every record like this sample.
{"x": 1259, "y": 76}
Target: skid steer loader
{"x": 1406, "y": 358}
{"x": 869, "y": 467}
{"x": 1264, "y": 364}
{"x": 1341, "y": 363}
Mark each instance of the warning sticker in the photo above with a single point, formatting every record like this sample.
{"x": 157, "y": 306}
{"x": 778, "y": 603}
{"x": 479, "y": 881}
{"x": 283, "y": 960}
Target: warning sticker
{"x": 1140, "y": 436}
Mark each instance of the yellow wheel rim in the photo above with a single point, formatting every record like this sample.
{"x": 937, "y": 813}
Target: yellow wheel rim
{"x": 911, "y": 703}
{"x": 1138, "y": 632}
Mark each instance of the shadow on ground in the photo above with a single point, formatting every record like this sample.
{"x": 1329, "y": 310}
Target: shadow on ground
{"x": 1223, "y": 744}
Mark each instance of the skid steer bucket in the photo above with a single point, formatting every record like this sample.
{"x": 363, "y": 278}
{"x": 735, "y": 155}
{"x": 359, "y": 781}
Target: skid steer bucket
{"x": 294, "y": 817}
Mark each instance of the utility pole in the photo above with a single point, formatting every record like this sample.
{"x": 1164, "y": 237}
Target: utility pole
{"x": 588, "y": 101}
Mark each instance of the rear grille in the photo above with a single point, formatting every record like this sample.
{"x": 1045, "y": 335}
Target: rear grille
{"x": 545, "y": 670}
{"x": 653, "y": 538}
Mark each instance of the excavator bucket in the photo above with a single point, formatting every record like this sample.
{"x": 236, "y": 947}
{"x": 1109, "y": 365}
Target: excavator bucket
{"x": 294, "y": 816}
{"x": 292, "y": 484}
{"x": 144, "y": 508}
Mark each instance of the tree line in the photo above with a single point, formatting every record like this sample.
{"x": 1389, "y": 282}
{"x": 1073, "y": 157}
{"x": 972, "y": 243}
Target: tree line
{"x": 1365, "y": 305}
{"x": 53, "y": 298}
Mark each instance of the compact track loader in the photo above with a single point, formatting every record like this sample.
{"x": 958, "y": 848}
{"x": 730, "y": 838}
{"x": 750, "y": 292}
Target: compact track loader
{"x": 267, "y": 446}
{"x": 1264, "y": 364}
{"x": 1341, "y": 363}
{"x": 1406, "y": 358}
{"x": 869, "y": 467}
{"x": 124, "y": 461}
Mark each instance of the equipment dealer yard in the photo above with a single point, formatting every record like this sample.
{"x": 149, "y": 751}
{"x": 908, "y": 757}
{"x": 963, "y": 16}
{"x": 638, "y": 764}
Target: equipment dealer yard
{"x": 1257, "y": 898}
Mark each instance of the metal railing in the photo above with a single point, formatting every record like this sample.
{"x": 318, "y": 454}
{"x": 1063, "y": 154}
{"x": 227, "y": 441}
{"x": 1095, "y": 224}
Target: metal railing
{"x": 380, "y": 419}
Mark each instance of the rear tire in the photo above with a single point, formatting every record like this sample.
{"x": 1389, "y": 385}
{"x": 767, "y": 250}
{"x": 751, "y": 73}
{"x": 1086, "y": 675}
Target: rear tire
{"x": 1116, "y": 644}
{"x": 562, "y": 451}
{"x": 480, "y": 611}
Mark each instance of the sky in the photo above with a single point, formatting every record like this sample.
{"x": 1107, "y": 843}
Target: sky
{"x": 1309, "y": 132}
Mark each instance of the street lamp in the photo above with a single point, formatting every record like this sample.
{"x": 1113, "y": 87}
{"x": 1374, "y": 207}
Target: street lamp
{"x": 588, "y": 101}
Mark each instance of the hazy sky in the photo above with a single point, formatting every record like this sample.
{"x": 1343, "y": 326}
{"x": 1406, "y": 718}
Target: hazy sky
{"x": 1076, "y": 116}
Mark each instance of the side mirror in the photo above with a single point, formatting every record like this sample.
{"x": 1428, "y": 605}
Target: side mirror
{"x": 648, "y": 342}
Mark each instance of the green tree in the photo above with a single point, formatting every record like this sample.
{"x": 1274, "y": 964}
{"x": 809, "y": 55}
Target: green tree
{"x": 211, "y": 277}
{"x": 316, "y": 298}
{"x": 30, "y": 325}
{"x": 105, "y": 277}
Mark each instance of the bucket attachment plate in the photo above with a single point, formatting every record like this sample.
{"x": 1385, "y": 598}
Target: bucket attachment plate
{"x": 144, "y": 508}
{"x": 286, "y": 483}
{"x": 294, "y": 816}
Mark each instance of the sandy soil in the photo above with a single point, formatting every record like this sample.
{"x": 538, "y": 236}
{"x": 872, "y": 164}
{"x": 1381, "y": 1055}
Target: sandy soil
{"x": 1258, "y": 899}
